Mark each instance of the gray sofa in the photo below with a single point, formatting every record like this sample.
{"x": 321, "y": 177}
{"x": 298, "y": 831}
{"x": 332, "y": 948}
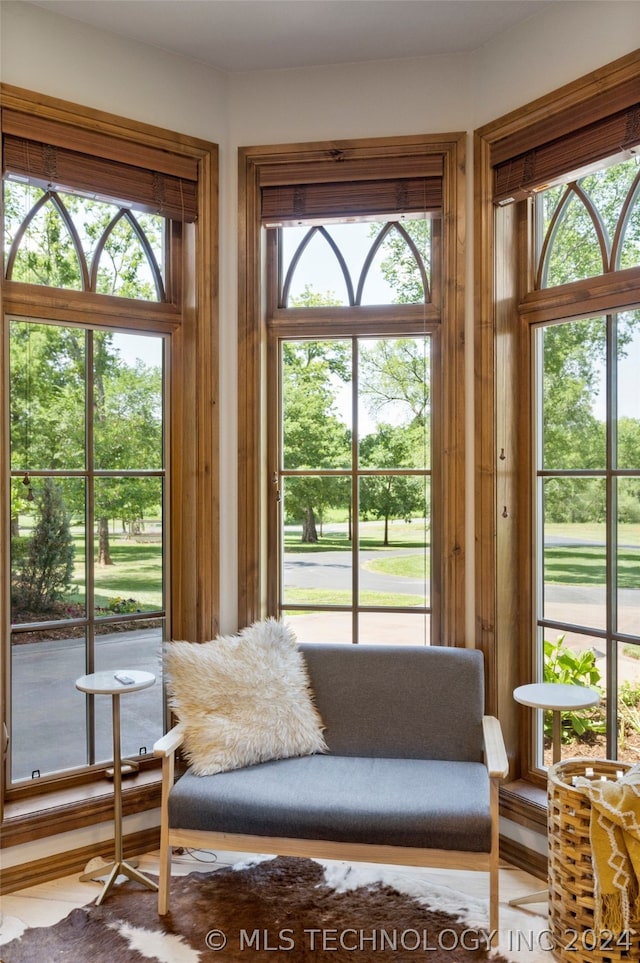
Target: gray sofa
{"x": 411, "y": 776}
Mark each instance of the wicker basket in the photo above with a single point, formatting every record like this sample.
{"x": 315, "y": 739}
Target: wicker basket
{"x": 571, "y": 884}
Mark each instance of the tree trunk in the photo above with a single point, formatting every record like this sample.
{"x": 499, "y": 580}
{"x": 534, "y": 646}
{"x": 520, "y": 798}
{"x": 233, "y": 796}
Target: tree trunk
{"x": 104, "y": 556}
{"x": 309, "y": 531}
{"x": 386, "y": 530}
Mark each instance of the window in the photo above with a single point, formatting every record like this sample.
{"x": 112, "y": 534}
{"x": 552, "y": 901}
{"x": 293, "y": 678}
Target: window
{"x": 587, "y": 467}
{"x": 351, "y": 510}
{"x": 105, "y": 361}
{"x": 557, "y": 212}
{"x": 353, "y": 445}
{"x": 87, "y": 538}
{"x": 66, "y": 241}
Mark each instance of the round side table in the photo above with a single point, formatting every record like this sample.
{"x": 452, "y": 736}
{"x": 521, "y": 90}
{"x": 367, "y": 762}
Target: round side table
{"x": 559, "y": 698}
{"x": 116, "y": 684}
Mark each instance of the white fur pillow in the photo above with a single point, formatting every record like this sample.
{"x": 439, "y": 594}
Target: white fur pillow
{"x": 243, "y": 699}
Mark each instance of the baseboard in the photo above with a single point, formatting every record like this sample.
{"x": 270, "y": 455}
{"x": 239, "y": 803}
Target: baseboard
{"x": 527, "y": 859}
{"x": 65, "y": 864}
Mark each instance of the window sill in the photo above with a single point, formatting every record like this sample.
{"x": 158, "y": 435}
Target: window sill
{"x": 63, "y": 810}
{"x": 524, "y": 803}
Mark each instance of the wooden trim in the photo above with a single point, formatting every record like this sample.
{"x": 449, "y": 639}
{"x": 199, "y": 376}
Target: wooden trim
{"x": 272, "y": 164}
{"x": 195, "y": 506}
{"x": 175, "y": 148}
{"x": 76, "y": 307}
{"x": 73, "y": 861}
{"x": 22, "y": 125}
{"x": 415, "y": 318}
{"x": 314, "y": 173}
{"x": 524, "y": 803}
{"x": 347, "y": 160}
{"x": 607, "y": 292}
{"x": 485, "y": 428}
{"x": 65, "y": 810}
{"x": 251, "y": 419}
{"x": 450, "y": 368}
{"x": 528, "y": 860}
{"x": 5, "y": 538}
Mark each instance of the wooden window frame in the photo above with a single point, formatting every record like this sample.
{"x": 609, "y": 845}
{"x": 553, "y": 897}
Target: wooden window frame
{"x": 190, "y": 319}
{"x": 328, "y": 162}
{"x": 504, "y": 310}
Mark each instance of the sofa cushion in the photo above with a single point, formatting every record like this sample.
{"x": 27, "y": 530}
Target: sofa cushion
{"x": 243, "y": 699}
{"x": 400, "y": 802}
{"x": 422, "y": 702}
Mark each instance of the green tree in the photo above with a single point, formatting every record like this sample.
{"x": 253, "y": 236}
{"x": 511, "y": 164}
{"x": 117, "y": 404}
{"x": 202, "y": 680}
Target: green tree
{"x": 403, "y": 247}
{"x": 315, "y": 436}
{"x": 394, "y": 377}
{"x": 47, "y": 560}
{"x": 391, "y": 496}
{"x": 48, "y": 423}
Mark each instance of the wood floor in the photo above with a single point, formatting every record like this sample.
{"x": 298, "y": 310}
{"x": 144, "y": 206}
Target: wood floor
{"x": 522, "y": 929}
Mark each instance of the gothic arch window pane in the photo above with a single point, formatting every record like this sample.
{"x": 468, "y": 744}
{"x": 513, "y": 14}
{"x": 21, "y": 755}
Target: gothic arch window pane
{"x": 608, "y": 190}
{"x": 362, "y": 263}
{"x": 629, "y": 248}
{"x": 399, "y": 257}
{"x": 572, "y": 248}
{"x": 589, "y": 226}
{"x": 52, "y": 238}
{"x": 45, "y": 248}
{"x": 312, "y": 268}
{"x": 124, "y": 264}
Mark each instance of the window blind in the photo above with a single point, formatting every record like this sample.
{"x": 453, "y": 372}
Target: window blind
{"x": 339, "y": 185}
{"x": 61, "y": 157}
{"x": 530, "y": 159}
{"x": 315, "y": 202}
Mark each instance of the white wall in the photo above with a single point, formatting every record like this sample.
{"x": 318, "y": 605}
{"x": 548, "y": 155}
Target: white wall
{"x": 63, "y": 58}
{"x": 565, "y": 42}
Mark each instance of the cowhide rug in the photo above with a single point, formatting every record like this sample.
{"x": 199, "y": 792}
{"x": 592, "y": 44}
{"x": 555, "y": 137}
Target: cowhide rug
{"x": 284, "y": 908}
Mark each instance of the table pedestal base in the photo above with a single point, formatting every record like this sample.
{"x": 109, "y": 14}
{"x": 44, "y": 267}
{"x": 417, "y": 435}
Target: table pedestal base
{"x": 121, "y": 868}
{"x": 540, "y": 897}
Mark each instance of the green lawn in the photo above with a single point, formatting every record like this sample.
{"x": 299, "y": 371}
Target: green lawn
{"x": 409, "y": 566}
{"x": 302, "y": 596}
{"x": 136, "y": 573}
{"x": 401, "y": 535}
{"x": 586, "y": 565}
{"x": 136, "y": 570}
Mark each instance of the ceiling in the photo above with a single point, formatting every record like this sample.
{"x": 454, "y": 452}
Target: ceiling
{"x": 242, "y": 35}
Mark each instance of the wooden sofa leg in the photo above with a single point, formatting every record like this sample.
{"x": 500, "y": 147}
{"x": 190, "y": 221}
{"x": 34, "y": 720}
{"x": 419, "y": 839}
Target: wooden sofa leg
{"x": 494, "y": 908}
{"x": 164, "y": 882}
{"x": 494, "y": 863}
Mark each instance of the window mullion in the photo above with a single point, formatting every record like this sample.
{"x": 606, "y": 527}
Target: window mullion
{"x": 355, "y": 494}
{"x": 612, "y": 537}
{"x": 90, "y": 542}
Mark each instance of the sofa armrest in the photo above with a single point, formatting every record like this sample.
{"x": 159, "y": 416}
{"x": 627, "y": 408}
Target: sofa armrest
{"x": 167, "y": 744}
{"x": 494, "y": 748}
